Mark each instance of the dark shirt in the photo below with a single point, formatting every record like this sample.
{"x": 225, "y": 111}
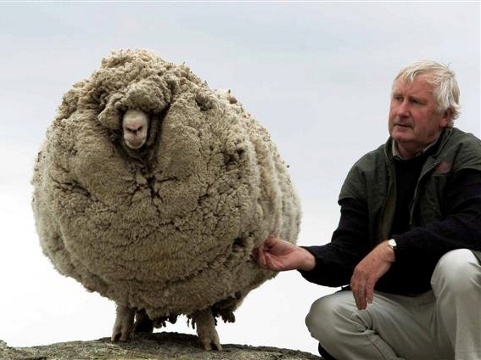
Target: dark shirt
{"x": 407, "y": 175}
{"x": 409, "y": 274}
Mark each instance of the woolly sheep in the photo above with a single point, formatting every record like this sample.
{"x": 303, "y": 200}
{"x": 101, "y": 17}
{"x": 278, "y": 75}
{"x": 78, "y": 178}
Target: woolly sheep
{"x": 153, "y": 190}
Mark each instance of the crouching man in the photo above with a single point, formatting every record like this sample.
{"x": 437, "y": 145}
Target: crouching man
{"x": 408, "y": 245}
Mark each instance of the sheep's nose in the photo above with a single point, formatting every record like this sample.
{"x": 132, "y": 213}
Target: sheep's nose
{"x": 133, "y": 130}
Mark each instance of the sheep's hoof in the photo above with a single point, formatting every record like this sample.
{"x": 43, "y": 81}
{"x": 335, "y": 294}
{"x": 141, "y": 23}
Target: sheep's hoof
{"x": 205, "y": 324}
{"x": 124, "y": 323}
{"x": 211, "y": 346}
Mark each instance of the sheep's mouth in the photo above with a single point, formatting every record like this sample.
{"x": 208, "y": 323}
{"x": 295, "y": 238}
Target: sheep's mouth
{"x": 135, "y": 144}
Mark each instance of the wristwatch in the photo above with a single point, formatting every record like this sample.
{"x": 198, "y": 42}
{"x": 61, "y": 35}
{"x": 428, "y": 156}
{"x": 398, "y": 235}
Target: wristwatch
{"x": 392, "y": 244}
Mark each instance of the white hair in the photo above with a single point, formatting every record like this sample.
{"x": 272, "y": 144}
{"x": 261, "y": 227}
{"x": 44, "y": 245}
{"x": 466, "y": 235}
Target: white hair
{"x": 446, "y": 91}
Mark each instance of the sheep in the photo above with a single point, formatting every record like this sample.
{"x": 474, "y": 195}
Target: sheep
{"x": 152, "y": 190}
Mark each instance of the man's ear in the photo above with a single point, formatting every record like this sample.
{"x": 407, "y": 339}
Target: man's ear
{"x": 446, "y": 117}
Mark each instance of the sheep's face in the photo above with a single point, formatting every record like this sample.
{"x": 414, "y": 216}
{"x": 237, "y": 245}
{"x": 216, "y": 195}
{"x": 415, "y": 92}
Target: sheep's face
{"x": 135, "y": 128}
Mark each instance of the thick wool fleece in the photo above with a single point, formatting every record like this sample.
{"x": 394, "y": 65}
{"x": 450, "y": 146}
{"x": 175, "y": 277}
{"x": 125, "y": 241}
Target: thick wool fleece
{"x": 168, "y": 228}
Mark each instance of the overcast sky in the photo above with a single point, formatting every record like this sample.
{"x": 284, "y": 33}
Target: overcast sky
{"x": 317, "y": 75}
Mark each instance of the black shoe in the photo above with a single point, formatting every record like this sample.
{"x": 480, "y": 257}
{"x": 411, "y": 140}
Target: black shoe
{"x": 325, "y": 355}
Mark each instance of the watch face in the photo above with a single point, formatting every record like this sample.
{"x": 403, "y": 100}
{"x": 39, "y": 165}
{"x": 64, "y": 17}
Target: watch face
{"x": 392, "y": 243}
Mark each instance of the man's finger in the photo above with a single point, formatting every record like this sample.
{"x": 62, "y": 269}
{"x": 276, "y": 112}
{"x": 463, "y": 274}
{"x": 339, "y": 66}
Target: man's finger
{"x": 369, "y": 292}
{"x": 358, "y": 290}
{"x": 261, "y": 258}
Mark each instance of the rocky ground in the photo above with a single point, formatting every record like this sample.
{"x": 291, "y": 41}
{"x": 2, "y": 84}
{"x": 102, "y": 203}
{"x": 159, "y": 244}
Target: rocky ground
{"x": 158, "y": 346}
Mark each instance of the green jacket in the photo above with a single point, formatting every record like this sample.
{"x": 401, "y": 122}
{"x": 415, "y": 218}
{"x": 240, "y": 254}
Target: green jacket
{"x": 457, "y": 151}
{"x": 445, "y": 214}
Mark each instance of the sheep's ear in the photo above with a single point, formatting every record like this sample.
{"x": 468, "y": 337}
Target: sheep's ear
{"x": 110, "y": 117}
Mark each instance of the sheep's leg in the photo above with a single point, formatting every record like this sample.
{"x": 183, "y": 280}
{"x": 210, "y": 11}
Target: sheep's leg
{"x": 205, "y": 325}
{"x": 143, "y": 324}
{"x": 124, "y": 323}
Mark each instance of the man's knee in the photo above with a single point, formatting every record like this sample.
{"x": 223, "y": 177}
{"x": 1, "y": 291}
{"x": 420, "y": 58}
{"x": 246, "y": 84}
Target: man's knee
{"x": 457, "y": 271}
{"x": 328, "y": 314}
{"x": 315, "y": 319}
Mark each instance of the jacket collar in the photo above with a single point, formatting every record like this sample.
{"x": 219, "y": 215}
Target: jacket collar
{"x": 392, "y": 153}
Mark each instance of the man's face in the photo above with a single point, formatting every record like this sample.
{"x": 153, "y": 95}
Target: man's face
{"x": 414, "y": 121}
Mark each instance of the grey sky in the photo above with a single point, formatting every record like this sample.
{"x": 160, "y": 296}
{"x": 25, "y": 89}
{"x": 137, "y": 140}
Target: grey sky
{"x": 317, "y": 75}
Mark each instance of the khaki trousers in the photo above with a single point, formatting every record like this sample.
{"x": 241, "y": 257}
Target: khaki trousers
{"x": 444, "y": 323}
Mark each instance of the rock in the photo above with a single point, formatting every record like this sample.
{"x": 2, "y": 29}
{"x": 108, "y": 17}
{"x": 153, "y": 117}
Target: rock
{"x": 157, "y": 346}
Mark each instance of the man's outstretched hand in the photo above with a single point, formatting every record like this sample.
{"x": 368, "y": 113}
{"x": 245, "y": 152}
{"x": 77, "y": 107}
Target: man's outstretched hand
{"x": 280, "y": 255}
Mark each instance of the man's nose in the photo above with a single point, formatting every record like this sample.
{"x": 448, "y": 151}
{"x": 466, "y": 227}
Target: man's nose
{"x": 403, "y": 108}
